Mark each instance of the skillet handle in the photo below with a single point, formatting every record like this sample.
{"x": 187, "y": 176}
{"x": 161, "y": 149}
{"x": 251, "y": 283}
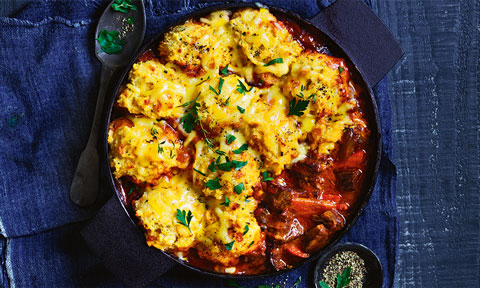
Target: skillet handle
{"x": 362, "y": 35}
{"x": 122, "y": 248}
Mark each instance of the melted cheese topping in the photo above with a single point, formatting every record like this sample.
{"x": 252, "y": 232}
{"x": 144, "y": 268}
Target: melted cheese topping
{"x": 153, "y": 90}
{"x": 144, "y": 149}
{"x": 264, "y": 39}
{"x": 158, "y": 210}
{"x": 204, "y": 64}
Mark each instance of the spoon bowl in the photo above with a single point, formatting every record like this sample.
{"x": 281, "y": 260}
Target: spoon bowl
{"x": 113, "y": 20}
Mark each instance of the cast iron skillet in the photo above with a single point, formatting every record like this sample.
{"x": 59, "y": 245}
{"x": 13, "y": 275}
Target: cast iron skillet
{"x": 358, "y": 76}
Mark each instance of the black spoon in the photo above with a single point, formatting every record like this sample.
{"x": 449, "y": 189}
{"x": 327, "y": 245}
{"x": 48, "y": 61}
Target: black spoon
{"x": 84, "y": 188}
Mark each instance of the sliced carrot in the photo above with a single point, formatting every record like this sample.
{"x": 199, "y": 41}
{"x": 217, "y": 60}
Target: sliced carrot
{"x": 308, "y": 206}
{"x": 295, "y": 250}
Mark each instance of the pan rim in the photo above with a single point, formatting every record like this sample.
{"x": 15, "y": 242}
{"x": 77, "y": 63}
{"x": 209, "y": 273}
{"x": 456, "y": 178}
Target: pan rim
{"x": 376, "y": 135}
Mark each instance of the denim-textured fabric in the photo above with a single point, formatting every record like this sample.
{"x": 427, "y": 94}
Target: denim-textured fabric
{"x": 48, "y": 87}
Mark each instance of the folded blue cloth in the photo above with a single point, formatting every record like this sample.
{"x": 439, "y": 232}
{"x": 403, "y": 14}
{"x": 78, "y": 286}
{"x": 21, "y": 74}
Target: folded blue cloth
{"x": 48, "y": 87}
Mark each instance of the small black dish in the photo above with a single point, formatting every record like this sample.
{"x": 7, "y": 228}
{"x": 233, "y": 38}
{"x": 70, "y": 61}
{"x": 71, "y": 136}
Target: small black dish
{"x": 374, "y": 274}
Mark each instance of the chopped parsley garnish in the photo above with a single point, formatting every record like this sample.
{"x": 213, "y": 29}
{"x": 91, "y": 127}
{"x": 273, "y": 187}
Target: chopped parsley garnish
{"x": 225, "y": 70}
{"x": 220, "y": 152}
{"x": 220, "y": 85}
{"x": 342, "y": 279}
{"x": 229, "y": 246}
{"x": 212, "y": 167}
{"x": 340, "y": 70}
{"x": 241, "y": 149}
{"x": 266, "y": 177}
{"x": 297, "y": 108}
{"x": 274, "y": 61}
{"x": 246, "y": 199}
{"x": 131, "y": 189}
{"x": 230, "y": 139}
{"x": 153, "y": 131}
{"x": 251, "y": 244}
{"x": 246, "y": 229}
{"x": 227, "y": 101}
{"x": 110, "y": 42}
{"x": 123, "y": 6}
{"x": 242, "y": 89}
{"x": 227, "y": 166}
{"x": 160, "y": 149}
{"x": 299, "y": 279}
{"x": 239, "y": 164}
{"x": 226, "y": 202}
{"x": 213, "y": 184}
{"x": 242, "y": 110}
{"x": 313, "y": 97}
{"x": 234, "y": 284}
{"x": 185, "y": 218}
{"x": 191, "y": 118}
{"x": 130, "y": 20}
{"x": 239, "y": 188}
{"x": 199, "y": 172}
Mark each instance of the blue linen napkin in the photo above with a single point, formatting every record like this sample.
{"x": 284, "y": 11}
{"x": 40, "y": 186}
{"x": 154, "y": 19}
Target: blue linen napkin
{"x": 48, "y": 85}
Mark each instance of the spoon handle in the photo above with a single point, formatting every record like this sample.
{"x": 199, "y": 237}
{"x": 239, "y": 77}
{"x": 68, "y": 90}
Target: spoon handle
{"x": 84, "y": 187}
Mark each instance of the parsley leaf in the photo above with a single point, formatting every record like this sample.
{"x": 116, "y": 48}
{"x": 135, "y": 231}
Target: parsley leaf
{"x": 160, "y": 149}
{"x": 299, "y": 279}
{"x": 230, "y": 139}
{"x": 340, "y": 70}
{"x": 229, "y": 246}
{"x": 225, "y": 70}
{"x": 297, "y": 108}
{"x": 213, "y": 184}
{"x": 242, "y": 89}
{"x": 226, "y": 202}
{"x": 274, "y": 61}
{"x": 265, "y": 177}
{"x": 251, "y": 244}
{"x": 220, "y": 85}
{"x": 233, "y": 284}
{"x": 110, "y": 42}
{"x": 227, "y": 166}
{"x": 212, "y": 167}
{"x": 242, "y": 110}
{"x": 239, "y": 188}
{"x": 131, "y": 189}
{"x": 344, "y": 279}
{"x": 130, "y": 20}
{"x": 323, "y": 284}
{"x": 199, "y": 172}
{"x": 191, "y": 118}
{"x": 241, "y": 149}
{"x": 314, "y": 97}
{"x": 123, "y": 6}
{"x": 153, "y": 131}
{"x": 239, "y": 164}
{"x": 185, "y": 218}
{"x": 246, "y": 229}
